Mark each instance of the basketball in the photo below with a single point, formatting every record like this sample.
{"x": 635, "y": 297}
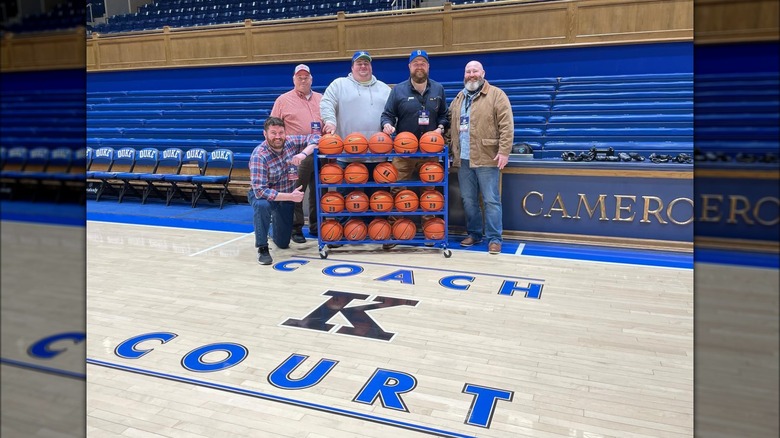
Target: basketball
{"x": 355, "y": 229}
{"x": 404, "y": 229}
{"x": 433, "y": 228}
{"x": 406, "y": 200}
{"x": 331, "y": 173}
{"x": 432, "y": 200}
{"x": 356, "y": 201}
{"x": 380, "y": 143}
{"x": 355, "y": 143}
{"x": 379, "y": 229}
{"x": 431, "y": 142}
{"x": 331, "y": 230}
{"x": 381, "y": 201}
{"x": 330, "y": 144}
{"x": 332, "y": 202}
{"x": 356, "y": 173}
{"x": 431, "y": 172}
{"x": 385, "y": 173}
{"x": 405, "y": 143}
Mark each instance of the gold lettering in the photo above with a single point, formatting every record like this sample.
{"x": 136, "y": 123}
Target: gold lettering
{"x": 525, "y": 200}
{"x": 706, "y": 208}
{"x": 599, "y": 203}
{"x": 757, "y": 211}
{"x": 619, "y": 207}
{"x": 648, "y": 212}
{"x": 559, "y": 201}
{"x": 671, "y": 207}
{"x": 739, "y": 210}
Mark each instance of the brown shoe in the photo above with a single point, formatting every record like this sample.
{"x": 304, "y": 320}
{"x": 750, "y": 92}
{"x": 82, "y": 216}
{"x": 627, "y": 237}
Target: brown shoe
{"x": 469, "y": 241}
{"x": 494, "y": 248}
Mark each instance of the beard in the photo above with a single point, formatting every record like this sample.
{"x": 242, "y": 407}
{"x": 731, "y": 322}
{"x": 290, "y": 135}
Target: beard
{"x": 419, "y": 77}
{"x": 277, "y": 144}
{"x": 473, "y": 85}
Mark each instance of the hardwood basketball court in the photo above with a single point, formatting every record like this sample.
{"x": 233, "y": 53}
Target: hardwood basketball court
{"x": 187, "y": 335}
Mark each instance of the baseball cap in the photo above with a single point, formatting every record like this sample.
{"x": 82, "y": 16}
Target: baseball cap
{"x": 303, "y": 67}
{"x": 361, "y": 54}
{"x": 417, "y": 53}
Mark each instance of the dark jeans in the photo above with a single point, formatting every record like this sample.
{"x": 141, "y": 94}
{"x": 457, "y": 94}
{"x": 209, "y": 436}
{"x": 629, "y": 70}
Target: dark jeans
{"x": 264, "y": 211}
{"x": 306, "y": 179}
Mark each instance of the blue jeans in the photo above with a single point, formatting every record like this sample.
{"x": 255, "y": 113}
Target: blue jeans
{"x": 282, "y": 214}
{"x": 481, "y": 181}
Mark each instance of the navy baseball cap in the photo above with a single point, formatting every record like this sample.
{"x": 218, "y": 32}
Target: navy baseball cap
{"x": 361, "y": 54}
{"x": 418, "y": 53}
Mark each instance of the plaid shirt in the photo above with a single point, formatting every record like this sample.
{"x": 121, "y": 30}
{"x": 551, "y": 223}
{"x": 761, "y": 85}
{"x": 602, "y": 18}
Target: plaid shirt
{"x": 268, "y": 168}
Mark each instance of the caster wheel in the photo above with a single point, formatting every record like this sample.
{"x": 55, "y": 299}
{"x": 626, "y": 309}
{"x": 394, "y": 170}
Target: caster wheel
{"x": 323, "y": 254}
{"x": 447, "y": 253}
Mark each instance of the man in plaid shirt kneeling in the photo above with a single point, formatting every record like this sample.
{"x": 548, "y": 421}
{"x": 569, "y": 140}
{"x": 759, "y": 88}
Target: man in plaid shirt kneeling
{"x": 273, "y": 170}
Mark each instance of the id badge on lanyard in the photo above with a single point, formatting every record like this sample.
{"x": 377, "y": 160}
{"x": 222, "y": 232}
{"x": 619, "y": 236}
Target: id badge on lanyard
{"x": 463, "y": 125}
{"x": 423, "y": 118}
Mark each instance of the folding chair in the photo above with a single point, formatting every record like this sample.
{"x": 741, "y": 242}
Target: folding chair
{"x": 124, "y": 161}
{"x": 181, "y": 182}
{"x": 101, "y": 161}
{"x": 216, "y": 177}
{"x": 146, "y": 161}
{"x": 169, "y": 164}
{"x": 13, "y": 162}
{"x": 28, "y": 179}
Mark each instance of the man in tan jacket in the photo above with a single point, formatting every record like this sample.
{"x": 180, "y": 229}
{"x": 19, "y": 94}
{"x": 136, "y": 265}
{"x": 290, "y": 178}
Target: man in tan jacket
{"x": 482, "y": 133}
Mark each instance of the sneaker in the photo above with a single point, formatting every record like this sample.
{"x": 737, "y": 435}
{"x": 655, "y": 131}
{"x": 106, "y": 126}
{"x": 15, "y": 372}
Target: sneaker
{"x": 494, "y": 248}
{"x": 388, "y": 246}
{"x": 264, "y": 256}
{"x": 470, "y": 241}
{"x": 297, "y": 237}
{"x": 314, "y": 233}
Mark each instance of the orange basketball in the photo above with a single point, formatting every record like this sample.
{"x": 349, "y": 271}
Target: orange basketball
{"x": 432, "y": 142}
{"x": 433, "y": 228}
{"x": 355, "y": 229}
{"x": 381, "y": 201}
{"x": 380, "y": 143}
{"x": 405, "y": 143}
{"x": 432, "y": 200}
{"x": 330, "y": 144}
{"x": 406, "y": 200}
{"x": 331, "y": 173}
{"x": 355, "y": 143}
{"x": 431, "y": 172}
{"x": 356, "y": 173}
{"x": 332, "y": 202}
{"x": 356, "y": 201}
{"x": 385, "y": 173}
{"x": 404, "y": 229}
{"x": 379, "y": 229}
{"x": 331, "y": 230}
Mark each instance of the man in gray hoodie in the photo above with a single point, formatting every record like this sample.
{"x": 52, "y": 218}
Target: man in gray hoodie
{"x": 355, "y": 103}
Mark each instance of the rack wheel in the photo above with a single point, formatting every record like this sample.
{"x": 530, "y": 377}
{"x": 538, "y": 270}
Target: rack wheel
{"x": 447, "y": 253}
{"x": 323, "y": 254}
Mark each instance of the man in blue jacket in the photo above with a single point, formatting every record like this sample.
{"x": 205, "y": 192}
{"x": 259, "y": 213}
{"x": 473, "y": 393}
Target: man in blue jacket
{"x": 416, "y": 105}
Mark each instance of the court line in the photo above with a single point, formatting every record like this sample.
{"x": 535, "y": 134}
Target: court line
{"x": 519, "y": 250}
{"x": 286, "y": 400}
{"x": 43, "y": 369}
{"x": 220, "y": 244}
{"x": 421, "y": 267}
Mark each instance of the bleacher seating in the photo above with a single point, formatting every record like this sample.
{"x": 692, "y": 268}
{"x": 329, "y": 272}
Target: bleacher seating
{"x": 737, "y": 117}
{"x": 65, "y": 15}
{"x": 188, "y": 13}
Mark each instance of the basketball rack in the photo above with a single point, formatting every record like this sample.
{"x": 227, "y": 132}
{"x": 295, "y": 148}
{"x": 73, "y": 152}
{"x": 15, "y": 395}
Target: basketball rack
{"x": 419, "y": 238}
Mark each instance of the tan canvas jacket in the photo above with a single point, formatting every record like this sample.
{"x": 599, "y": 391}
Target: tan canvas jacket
{"x": 492, "y": 127}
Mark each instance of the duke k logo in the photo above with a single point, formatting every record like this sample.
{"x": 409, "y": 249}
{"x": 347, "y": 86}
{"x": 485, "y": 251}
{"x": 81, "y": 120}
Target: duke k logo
{"x": 362, "y": 324}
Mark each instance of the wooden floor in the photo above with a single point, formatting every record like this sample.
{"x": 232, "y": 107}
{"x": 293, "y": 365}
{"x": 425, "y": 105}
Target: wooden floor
{"x": 42, "y": 296}
{"x": 588, "y": 349}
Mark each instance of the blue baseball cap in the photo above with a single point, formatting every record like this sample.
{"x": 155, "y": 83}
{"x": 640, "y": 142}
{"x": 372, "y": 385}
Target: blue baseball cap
{"x": 361, "y": 54}
{"x": 418, "y": 53}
